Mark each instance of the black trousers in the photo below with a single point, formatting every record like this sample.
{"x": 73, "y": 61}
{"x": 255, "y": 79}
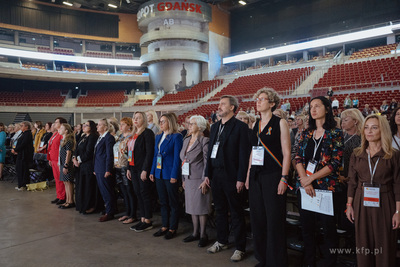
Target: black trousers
{"x": 226, "y": 199}
{"x": 268, "y": 219}
{"x": 87, "y": 194}
{"x": 22, "y": 169}
{"x": 310, "y": 228}
{"x": 144, "y": 192}
{"x": 126, "y": 186}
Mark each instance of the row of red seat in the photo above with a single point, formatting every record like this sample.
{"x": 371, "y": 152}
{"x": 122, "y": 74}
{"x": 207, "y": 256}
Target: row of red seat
{"x": 102, "y": 98}
{"x": 196, "y": 92}
{"x": 280, "y": 81}
{"x": 374, "y": 51}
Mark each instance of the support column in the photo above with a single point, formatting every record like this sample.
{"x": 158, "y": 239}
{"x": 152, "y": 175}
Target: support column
{"x": 391, "y": 39}
{"x": 113, "y": 50}
{"x": 305, "y": 55}
{"x": 51, "y": 43}
{"x": 16, "y": 38}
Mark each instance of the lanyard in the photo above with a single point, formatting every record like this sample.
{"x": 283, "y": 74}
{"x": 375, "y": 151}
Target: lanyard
{"x": 220, "y": 131}
{"x": 370, "y": 168}
{"x": 51, "y": 141}
{"x": 316, "y": 146}
{"x": 345, "y": 141}
{"x": 265, "y": 147}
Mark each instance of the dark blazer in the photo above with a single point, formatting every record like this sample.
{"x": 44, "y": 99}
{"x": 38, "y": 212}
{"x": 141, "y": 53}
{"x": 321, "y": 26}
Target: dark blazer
{"x": 104, "y": 155}
{"x": 24, "y": 147}
{"x": 85, "y": 148}
{"x": 143, "y": 152}
{"x": 236, "y": 149}
{"x": 196, "y": 157}
{"x": 171, "y": 163}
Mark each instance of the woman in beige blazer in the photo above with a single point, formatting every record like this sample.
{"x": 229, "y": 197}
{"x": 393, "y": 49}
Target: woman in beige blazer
{"x": 197, "y": 196}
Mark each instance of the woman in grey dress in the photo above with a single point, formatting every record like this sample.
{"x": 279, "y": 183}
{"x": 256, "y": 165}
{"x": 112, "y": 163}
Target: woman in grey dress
{"x": 197, "y": 196}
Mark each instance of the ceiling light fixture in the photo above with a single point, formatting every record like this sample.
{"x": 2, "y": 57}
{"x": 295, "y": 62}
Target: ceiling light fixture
{"x": 67, "y": 3}
{"x": 111, "y": 5}
{"x": 243, "y": 3}
{"x": 128, "y": 1}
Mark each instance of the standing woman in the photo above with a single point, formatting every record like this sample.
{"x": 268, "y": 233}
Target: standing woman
{"x": 152, "y": 120}
{"x": 321, "y": 146}
{"x": 269, "y": 169}
{"x": 24, "y": 151}
{"x": 166, "y": 168}
{"x": 2, "y": 148}
{"x": 87, "y": 195}
{"x": 395, "y": 127}
{"x": 40, "y": 131}
{"x": 197, "y": 196}
{"x": 44, "y": 141}
{"x": 121, "y": 161}
{"x": 67, "y": 147}
{"x": 375, "y": 167}
{"x": 142, "y": 152}
{"x": 103, "y": 168}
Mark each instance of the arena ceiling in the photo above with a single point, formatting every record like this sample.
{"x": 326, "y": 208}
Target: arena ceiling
{"x": 132, "y": 6}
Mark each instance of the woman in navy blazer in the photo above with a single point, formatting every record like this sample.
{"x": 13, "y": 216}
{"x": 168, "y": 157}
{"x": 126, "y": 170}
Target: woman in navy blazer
{"x": 103, "y": 167}
{"x": 166, "y": 169}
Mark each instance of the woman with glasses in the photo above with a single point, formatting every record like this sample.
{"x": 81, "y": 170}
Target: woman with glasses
{"x": 197, "y": 196}
{"x": 86, "y": 185}
{"x": 166, "y": 171}
{"x": 267, "y": 182}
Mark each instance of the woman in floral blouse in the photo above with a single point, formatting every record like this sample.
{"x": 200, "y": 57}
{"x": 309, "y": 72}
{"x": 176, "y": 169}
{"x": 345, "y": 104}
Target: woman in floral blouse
{"x": 321, "y": 146}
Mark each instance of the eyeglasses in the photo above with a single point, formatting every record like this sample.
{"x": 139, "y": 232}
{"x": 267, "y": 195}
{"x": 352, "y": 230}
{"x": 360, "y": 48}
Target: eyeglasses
{"x": 85, "y": 125}
{"x": 162, "y": 122}
{"x": 261, "y": 99}
{"x": 192, "y": 124}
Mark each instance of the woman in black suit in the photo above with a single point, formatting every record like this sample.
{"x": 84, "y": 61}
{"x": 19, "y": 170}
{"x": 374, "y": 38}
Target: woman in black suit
{"x": 139, "y": 169}
{"x": 86, "y": 185}
{"x": 24, "y": 152}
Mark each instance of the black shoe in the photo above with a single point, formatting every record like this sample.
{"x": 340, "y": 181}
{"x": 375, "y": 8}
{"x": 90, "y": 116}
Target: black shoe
{"x": 55, "y": 201}
{"x": 191, "y": 238}
{"x": 133, "y": 228}
{"x": 203, "y": 241}
{"x": 170, "y": 235}
{"x": 67, "y": 206}
{"x": 144, "y": 227}
{"x": 60, "y": 202}
{"x": 160, "y": 232}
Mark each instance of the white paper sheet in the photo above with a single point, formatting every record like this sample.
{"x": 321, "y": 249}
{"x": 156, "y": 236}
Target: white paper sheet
{"x": 321, "y": 203}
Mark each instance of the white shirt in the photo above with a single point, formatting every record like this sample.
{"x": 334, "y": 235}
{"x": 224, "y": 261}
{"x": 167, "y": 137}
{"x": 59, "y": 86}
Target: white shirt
{"x": 162, "y": 140}
{"x": 335, "y": 103}
{"x": 394, "y": 145}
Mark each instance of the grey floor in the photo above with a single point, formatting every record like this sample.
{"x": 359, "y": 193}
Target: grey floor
{"x": 34, "y": 232}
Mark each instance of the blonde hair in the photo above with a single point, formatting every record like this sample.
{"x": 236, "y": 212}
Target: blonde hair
{"x": 69, "y": 137}
{"x": 244, "y": 114}
{"x": 145, "y": 123}
{"x": 355, "y": 114}
{"x": 154, "y": 115}
{"x": 172, "y": 122}
{"x": 386, "y": 137}
{"x": 110, "y": 127}
{"x": 282, "y": 114}
{"x": 273, "y": 96}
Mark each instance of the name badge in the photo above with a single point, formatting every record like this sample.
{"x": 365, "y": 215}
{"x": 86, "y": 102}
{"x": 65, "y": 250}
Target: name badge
{"x": 257, "y": 156}
{"x": 41, "y": 144}
{"x": 214, "y": 150}
{"x": 116, "y": 157}
{"x": 14, "y": 144}
{"x": 185, "y": 168}
{"x": 129, "y": 156}
{"x": 311, "y": 167}
{"x": 159, "y": 161}
{"x": 371, "y": 195}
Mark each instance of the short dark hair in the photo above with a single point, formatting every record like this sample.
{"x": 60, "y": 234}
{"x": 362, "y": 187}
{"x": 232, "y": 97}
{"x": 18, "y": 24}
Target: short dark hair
{"x": 232, "y": 101}
{"x": 330, "y": 122}
{"x": 392, "y": 123}
{"x": 61, "y": 120}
